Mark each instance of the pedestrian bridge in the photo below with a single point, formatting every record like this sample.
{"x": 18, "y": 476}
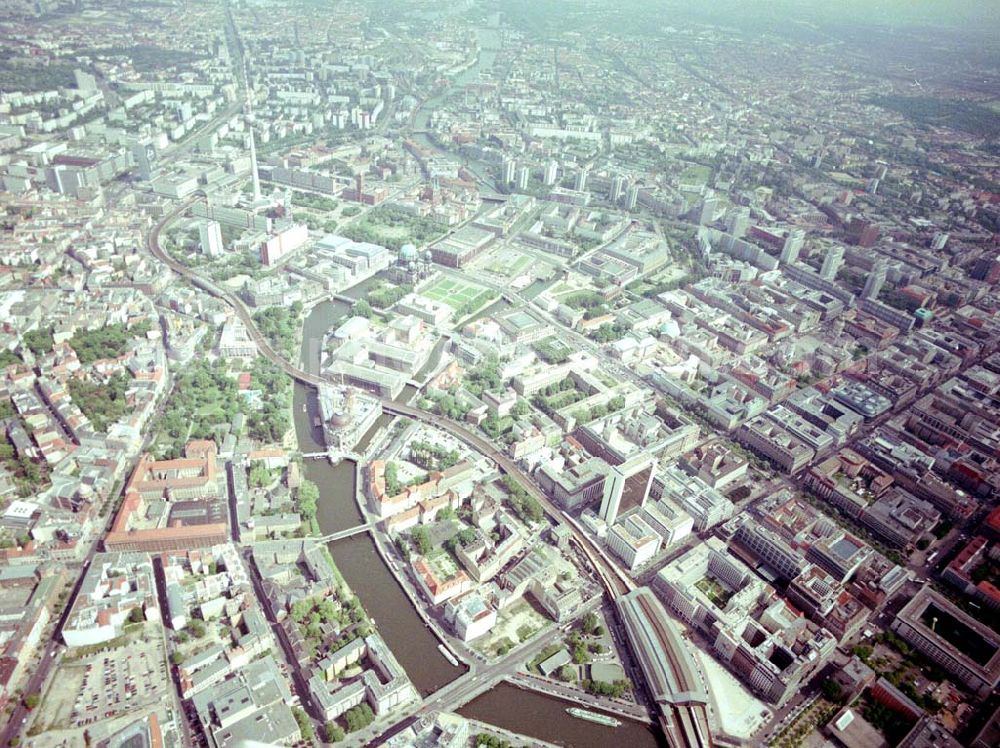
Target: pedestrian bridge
{"x": 333, "y": 456}
{"x": 348, "y": 533}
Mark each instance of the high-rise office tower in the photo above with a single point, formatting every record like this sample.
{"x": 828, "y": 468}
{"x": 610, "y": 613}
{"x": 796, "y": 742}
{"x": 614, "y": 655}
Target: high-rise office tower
{"x": 508, "y": 171}
{"x": 210, "y": 238}
{"x": 84, "y": 81}
{"x": 987, "y": 268}
{"x": 709, "y": 205}
{"x": 875, "y": 281}
{"x": 738, "y": 221}
{"x": 633, "y": 197}
{"x": 831, "y": 263}
{"x": 551, "y": 172}
{"x": 940, "y": 240}
{"x": 704, "y": 245}
{"x": 522, "y": 178}
{"x": 793, "y": 244}
{"x": 862, "y": 233}
{"x": 617, "y": 188}
{"x": 144, "y": 155}
{"x": 66, "y": 180}
{"x": 581, "y": 180}
{"x": 626, "y": 486}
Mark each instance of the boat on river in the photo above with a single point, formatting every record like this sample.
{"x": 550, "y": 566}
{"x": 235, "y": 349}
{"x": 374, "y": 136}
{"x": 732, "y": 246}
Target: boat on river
{"x": 601, "y": 719}
{"x": 447, "y": 653}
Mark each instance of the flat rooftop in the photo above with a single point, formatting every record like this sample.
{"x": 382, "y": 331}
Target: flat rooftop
{"x": 965, "y": 638}
{"x": 961, "y": 636}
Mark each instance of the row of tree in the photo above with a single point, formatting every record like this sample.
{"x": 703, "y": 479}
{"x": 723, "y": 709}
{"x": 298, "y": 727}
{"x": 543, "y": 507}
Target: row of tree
{"x": 432, "y": 457}
{"x": 308, "y": 502}
{"x": 525, "y": 505}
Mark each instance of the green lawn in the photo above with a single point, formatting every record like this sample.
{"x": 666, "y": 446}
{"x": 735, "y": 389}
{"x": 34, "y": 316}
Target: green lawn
{"x": 458, "y": 294}
{"x": 715, "y": 592}
{"x": 393, "y": 232}
{"x": 509, "y": 264}
{"x": 211, "y": 410}
{"x": 442, "y": 563}
{"x": 552, "y": 350}
{"x": 562, "y": 289}
{"x": 696, "y": 174}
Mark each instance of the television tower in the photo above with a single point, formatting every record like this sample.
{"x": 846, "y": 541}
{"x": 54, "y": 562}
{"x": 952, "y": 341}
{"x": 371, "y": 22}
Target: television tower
{"x": 257, "y": 196}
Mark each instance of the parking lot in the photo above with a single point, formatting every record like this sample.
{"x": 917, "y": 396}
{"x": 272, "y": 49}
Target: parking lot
{"x": 119, "y": 681}
{"x": 103, "y": 686}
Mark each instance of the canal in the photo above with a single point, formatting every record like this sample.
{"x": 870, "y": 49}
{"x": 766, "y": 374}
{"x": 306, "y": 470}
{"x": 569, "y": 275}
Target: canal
{"x": 544, "y": 717}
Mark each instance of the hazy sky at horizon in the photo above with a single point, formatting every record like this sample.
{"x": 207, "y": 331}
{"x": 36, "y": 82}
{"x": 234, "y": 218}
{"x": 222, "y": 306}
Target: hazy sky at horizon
{"x": 889, "y": 10}
{"x": 971, "y": 14}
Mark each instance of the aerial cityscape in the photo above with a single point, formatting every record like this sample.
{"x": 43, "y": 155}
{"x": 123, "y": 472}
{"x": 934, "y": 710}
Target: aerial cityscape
{"x": 499, "y": 373}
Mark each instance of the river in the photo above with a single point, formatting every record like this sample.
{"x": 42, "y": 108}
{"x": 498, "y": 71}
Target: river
{"x": 409, "y": 639}
{"x": 489, "y": 46}
{"x": 413, "y": 644}
{"x": 544, "y": 717}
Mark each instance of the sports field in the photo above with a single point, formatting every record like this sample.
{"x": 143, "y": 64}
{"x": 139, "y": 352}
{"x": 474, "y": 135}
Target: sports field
{"x": 459, "y": 295}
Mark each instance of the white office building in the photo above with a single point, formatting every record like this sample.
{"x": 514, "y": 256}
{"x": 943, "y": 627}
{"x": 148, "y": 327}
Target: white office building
{"x": 210, "y": 238}
{"x": 793, "y": 245}
{"x": 832, "y": 263}
{"x": 634, "y": 541}
{"x": 551, "y": 172}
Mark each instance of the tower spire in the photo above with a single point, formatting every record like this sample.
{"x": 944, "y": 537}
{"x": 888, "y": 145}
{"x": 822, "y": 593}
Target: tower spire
{"x": 253, "y": 164}
{"x": 253, "y": 146}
